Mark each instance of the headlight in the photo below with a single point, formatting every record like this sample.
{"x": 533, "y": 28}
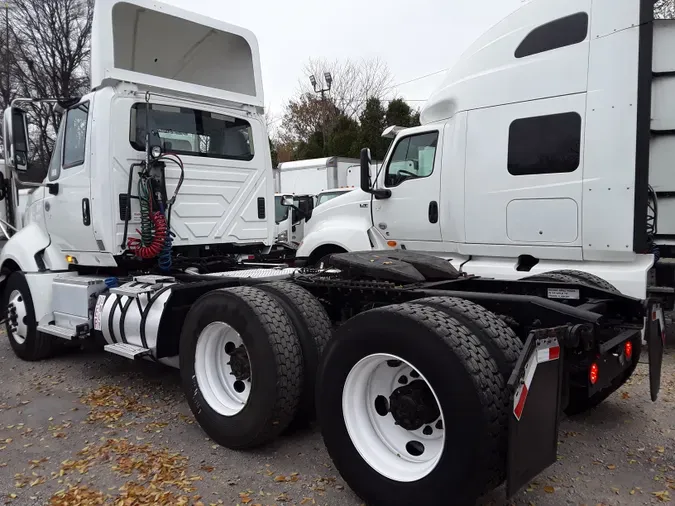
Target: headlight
{"x": 283, "y": 237}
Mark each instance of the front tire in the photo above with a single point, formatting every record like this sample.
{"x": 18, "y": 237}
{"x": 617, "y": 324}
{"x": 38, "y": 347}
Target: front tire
{"x": 20, "y": 324}
{"x": 412, "y": 408}
{"x": 241, "y": 366}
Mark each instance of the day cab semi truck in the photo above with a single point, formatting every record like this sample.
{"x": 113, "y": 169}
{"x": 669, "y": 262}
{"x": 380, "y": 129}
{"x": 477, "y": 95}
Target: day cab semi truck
{"x": 431, "y": 384}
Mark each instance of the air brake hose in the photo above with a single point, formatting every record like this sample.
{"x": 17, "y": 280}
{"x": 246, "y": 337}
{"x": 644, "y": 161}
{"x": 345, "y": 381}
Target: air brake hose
{"x": 138, "y": 247}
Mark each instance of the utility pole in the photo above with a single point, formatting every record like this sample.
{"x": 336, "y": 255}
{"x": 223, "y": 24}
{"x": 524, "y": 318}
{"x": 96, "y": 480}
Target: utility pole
{"x": 323, "y": 90}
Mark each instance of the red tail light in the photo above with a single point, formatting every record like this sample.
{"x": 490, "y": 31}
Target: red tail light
{"x": 628, "y": 349}
{"x": 593, "y": 373}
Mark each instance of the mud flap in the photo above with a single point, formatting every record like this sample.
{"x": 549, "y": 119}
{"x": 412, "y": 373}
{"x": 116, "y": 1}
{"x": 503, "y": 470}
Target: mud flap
{"x": 536, "y": 383}
{"x": 656, "y": 342}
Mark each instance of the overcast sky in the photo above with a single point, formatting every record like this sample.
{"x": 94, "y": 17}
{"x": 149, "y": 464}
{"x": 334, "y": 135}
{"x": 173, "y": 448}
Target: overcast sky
{"x": 414, "y": 37}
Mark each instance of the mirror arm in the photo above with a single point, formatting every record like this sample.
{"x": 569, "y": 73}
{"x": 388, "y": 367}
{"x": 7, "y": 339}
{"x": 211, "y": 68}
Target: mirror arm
{"x": 53, "y": 187}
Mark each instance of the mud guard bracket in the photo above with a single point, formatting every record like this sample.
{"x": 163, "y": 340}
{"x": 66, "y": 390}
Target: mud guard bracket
{"x": 534, "y": 415}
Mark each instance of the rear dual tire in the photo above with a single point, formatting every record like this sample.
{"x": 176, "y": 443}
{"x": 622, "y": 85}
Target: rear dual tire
{"x": 248, "y": 360}
{"x": 361, "y": 398}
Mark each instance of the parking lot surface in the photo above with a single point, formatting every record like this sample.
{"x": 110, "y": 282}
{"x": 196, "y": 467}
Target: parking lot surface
{"x": 88, "y": 428}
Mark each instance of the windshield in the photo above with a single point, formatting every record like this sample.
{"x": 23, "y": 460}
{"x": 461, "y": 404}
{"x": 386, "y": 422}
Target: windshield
{"x": 325, "y": 197}
{"x": 191, "y": 132}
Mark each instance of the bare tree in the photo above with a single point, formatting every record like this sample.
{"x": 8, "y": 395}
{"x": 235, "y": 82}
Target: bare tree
{"x": 664, "y": 9}
{"x": 354, "y": 82}
{"x": 8, "y": 77}
{"x": 52, "y": 58}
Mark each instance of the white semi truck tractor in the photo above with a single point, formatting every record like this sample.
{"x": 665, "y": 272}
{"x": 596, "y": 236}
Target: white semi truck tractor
{"x": 548, "y": 147}
{"x": 431, "y": 385}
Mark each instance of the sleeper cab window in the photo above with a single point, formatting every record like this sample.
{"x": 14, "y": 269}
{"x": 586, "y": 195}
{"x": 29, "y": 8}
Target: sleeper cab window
{"x": 559, "y": 33}
{"x": 413, "y": 158}
{"x": 545, "y": 144}
{"x": 192, "y": 132}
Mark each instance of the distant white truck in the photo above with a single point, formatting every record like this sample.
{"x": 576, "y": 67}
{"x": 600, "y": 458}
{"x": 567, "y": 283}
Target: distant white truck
{"x": 317, "y": 175}
{"x": 321, "y": 178}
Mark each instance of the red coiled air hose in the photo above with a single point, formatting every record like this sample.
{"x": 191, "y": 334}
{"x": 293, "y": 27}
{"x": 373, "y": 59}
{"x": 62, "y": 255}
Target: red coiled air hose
{"x": 158, "y": 241}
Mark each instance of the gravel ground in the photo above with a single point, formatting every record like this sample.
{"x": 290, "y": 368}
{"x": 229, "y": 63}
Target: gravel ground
{"x": 89, "y": 428}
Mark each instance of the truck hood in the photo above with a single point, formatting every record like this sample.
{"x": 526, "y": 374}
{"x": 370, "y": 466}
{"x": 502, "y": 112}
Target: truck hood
{"x": 350, "y": 205}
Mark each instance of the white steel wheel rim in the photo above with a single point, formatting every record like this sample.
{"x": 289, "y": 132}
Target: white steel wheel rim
{"x": 222, "y": 391}
{"x": 377, "y": 438}
{"x": 18, "y": 303}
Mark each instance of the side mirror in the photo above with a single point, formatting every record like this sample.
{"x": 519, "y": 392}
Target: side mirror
{"x": 15, "y": 135}
{"x": 365, "y": 177}
{"x": 305, "y": 208}
{"x": 287, "y": 201}
{"x": 365, "y": 170}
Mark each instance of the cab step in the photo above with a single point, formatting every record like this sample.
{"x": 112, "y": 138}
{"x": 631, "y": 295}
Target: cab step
{"x": 127, "y": 350}
{"x": 56, "y": 331}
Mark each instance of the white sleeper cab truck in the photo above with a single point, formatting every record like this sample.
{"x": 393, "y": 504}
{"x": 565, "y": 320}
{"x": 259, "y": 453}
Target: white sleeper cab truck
{"x": 431, "y": 385}
{"x": 548, "y": 147}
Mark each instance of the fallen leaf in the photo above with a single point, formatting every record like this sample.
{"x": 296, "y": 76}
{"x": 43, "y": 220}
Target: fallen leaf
{"x": 611, "y": 467}
{"x": 549, "y": 489}
{"x": 280, "y": 478}
{"x": 663, "y": 496}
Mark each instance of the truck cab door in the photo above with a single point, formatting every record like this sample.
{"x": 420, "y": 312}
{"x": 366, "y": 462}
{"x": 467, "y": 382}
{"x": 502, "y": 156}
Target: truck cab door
{"x": 67, "y": 204}
{"x": 412, "y": 173}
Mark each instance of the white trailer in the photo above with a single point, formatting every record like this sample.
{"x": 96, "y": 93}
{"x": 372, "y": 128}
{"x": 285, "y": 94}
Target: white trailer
{"x": 435, "y": 384}
{"x": 317, "y": 175}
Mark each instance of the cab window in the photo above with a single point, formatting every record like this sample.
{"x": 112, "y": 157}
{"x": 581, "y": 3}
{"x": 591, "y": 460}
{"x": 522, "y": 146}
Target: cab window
{"x": 192, "y": 132}
{"x": 413, "y": 158}
{"x": 74, "y": 145}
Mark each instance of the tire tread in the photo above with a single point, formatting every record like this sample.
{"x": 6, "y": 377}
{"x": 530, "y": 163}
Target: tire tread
{"x": 504, "y": 346}
{"x": 484, "y": 372}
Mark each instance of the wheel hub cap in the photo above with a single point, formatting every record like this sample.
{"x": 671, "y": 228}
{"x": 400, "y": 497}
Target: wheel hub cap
{"x": 414, "y": 405}
{"x": 241, "y": 367}
{"x": 17, "y": 317}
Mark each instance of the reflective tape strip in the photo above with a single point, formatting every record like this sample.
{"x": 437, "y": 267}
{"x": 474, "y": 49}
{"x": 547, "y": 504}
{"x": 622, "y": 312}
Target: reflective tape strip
{"x": 548, "y": 354}
{"x": 545, "y": 352}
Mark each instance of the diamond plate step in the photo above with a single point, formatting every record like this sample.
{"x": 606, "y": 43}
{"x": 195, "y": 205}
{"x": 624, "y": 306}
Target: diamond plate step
{"x": 126, "y": 350}
{"x": 56, "y": 331}
{"x": 133, "y": 290}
